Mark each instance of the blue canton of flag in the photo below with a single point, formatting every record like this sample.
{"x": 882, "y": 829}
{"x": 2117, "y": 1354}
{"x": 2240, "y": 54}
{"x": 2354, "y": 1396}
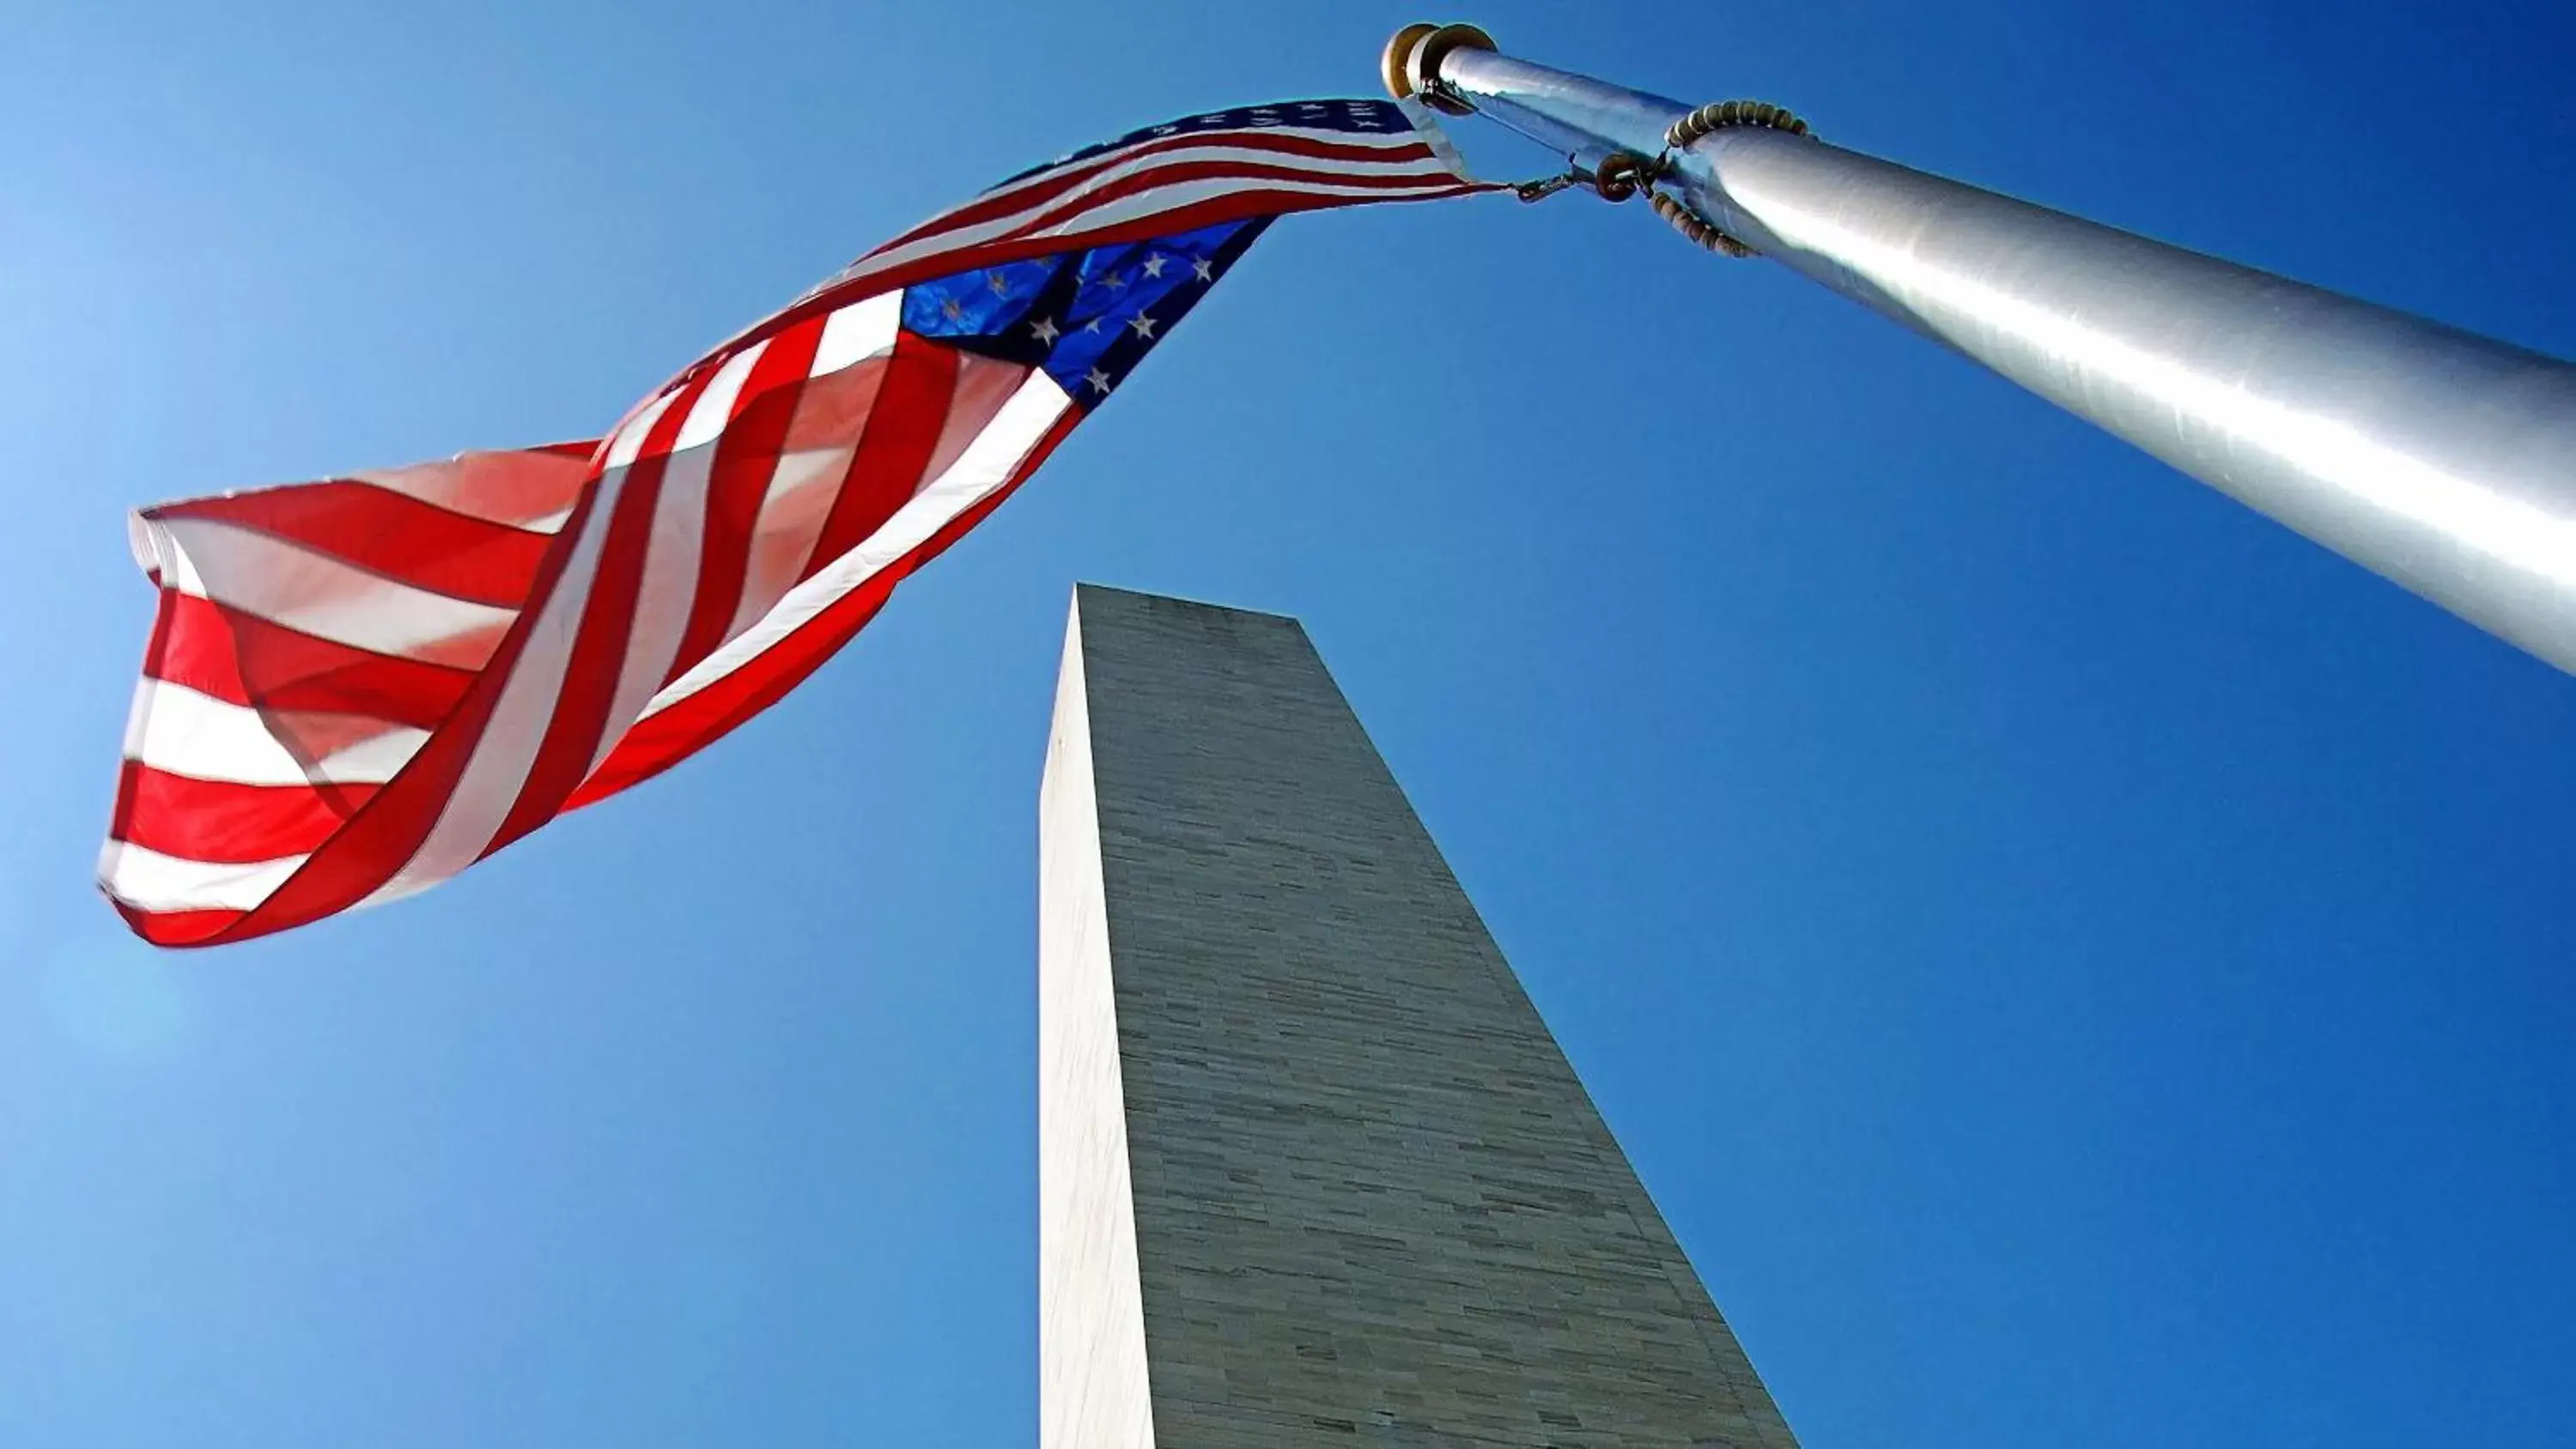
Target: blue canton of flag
{"x": 1086, "y": 318}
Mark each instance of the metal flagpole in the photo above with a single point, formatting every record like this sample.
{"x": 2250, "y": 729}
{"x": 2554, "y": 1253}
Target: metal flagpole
{"x": 2440, "y": 459}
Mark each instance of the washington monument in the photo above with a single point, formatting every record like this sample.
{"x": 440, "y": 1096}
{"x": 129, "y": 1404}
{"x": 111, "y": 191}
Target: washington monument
{"x": 1311, "y": 1170}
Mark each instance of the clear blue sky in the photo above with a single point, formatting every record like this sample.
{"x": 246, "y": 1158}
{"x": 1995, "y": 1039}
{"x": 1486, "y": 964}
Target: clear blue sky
{"x": 2076, "y": 964}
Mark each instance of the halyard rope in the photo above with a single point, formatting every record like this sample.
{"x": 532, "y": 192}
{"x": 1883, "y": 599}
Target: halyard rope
{"x": 1623, "y": 174}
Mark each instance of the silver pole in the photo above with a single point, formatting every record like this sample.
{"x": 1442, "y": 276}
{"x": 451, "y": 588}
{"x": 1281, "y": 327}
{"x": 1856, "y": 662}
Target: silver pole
{"x": 2440, "y": 459}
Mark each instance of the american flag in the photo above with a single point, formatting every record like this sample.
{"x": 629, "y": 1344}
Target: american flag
{"x": 356, "y": 688}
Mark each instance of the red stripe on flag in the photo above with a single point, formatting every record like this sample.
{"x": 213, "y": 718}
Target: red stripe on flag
{"x": 225, "y": 823}
{"x": 179, "y": 928}
{"x": 895, "y": 446}
{"x": 244, "y": 659}
{"x": 1182, "y": 173}
{"x": 659, "y": 741}
{"x": 1232, "y": 206}
{"x": 746, "y": 457}
{"x": 579, "y": 719}
{"x": 387, "y": 533}
{"x": 381, "y": 838}
{"x": 1049, "y": 185}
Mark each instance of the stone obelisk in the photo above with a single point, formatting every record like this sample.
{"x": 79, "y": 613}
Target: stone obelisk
{"x": 1311, "y": 1170}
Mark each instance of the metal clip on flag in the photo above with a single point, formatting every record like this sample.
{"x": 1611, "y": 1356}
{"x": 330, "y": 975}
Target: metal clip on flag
{"x": 2442, "y": 460}
{"x": 356, "y": 688}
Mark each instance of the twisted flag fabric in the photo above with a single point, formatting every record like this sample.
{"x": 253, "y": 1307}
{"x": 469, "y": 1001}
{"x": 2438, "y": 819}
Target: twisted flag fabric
{"x": 356, "y": 688}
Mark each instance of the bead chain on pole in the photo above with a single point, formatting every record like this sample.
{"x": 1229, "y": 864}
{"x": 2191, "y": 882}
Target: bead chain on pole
{"x": 1708, "y": 119}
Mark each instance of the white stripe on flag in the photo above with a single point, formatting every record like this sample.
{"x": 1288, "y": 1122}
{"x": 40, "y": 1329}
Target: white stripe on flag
{"x": 286, "y": 583}
{"x": 1008, "y": 224}
{"x": 147, "y": 880}
{"x": 1159, "y": 199}
{"x": 985, "y": 465}
{"x": 185, "y": 732}
{"x": 528, "y": 489}
{"x": 507, "y": 750}
{"x": 857, "y": 332}
{"x": 1234, "y": 145}
{"x": 668, "y": 590}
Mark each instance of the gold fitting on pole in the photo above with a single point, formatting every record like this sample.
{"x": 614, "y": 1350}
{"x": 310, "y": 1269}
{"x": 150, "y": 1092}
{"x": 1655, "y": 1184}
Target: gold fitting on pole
{"x": 1390, "y": 66}
{"x": 1411, "y": 64}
